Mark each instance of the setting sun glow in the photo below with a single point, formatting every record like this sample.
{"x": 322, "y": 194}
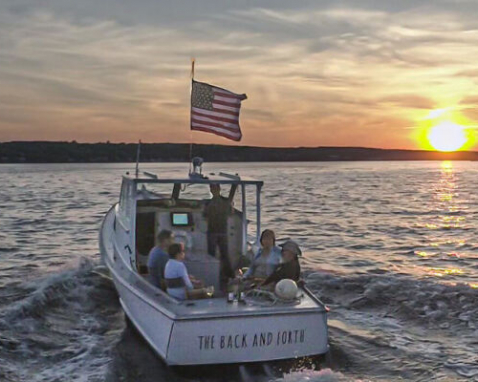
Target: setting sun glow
{"x": 447, "y": 136}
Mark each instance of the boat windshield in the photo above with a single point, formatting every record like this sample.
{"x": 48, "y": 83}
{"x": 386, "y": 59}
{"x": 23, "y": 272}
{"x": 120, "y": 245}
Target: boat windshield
{"x": 187, "y": 191}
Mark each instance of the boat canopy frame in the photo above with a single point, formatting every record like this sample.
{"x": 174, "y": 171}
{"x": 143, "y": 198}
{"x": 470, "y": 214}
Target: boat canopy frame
{"x": 234, "y": 180}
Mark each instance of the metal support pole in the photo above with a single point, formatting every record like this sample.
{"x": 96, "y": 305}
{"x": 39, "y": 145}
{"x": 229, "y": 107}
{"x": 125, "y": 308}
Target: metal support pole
{"x": 244, "y": 220}
{"x": 258, "y": 206}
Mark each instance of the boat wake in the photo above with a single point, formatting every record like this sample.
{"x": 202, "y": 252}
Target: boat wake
{"x": 381, "y": 326}
{"x": 388, "y": 324}
{"x": 445, "y": 306}
{"x": 62, "y": 325}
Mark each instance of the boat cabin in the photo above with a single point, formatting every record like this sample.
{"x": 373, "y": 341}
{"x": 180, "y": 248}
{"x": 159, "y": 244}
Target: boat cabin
{"x": 150, "y": 204}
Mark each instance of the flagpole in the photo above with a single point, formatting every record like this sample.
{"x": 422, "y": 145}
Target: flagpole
{"x": 193, "y": 61}
{"x": 138, "y": 151}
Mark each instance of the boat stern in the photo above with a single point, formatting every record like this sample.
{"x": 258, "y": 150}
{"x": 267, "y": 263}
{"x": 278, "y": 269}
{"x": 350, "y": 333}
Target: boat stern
{"x": 247, "y": 339}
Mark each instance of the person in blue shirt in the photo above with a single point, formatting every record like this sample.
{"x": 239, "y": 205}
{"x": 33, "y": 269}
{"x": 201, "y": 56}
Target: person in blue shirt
{"x": 267, "y": 259}
{"x": 158, "y": 257}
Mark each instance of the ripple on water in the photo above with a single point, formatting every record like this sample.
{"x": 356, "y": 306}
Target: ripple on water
{"x": 401, "y": 234}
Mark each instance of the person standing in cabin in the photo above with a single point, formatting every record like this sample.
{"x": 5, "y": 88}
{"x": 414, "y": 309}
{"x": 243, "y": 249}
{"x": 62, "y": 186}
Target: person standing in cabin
{"x": 217, "y": 211}
{"x": 158, "y": 257}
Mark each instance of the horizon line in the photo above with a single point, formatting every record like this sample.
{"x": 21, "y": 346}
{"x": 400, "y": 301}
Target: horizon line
{"x": 234, "y": 145}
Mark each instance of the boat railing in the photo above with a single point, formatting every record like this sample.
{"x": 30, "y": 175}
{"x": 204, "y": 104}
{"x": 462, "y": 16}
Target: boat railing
{"x": 230, "y": 176}
{"x": 150, "y": 175}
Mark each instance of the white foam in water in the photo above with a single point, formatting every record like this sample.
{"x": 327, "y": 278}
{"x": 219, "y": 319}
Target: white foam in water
{"x": 464, "y": 369}
{"x": 48, "y": 291}
{"x": 61, "y": 328}
{"x": 325, "y": 375}
{"x": 423, "y": 300}
{"x": 417, "y": 321}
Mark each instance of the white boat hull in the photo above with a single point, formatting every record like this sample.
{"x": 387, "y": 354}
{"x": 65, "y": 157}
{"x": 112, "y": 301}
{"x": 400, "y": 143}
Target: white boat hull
{"x": 237, "y": 334}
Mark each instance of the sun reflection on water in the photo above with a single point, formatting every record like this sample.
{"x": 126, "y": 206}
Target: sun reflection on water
{"x": 440, "y": 272}
{"x": 446, "y": 200}
{"x": 446, "y": 213}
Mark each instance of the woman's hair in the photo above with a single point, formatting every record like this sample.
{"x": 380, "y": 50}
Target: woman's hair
{"x": 175, "y": 249}
{"x": 268, "y": 232}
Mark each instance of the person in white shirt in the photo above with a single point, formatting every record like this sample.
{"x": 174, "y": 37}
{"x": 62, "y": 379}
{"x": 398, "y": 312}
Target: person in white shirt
{"x": 176, "y": 275}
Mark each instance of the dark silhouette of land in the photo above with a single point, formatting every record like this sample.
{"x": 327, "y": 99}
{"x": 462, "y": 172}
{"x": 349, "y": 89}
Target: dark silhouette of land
{"x": 73, "y": 152}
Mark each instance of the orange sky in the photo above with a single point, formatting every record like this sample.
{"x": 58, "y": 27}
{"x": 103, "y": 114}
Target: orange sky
{"x": 316, "y": 73}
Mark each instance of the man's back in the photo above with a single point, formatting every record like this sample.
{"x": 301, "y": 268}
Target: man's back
{"x": 289, "y": 270}
{"x": 217, "y": 212}
{"x": 157, "y": 260}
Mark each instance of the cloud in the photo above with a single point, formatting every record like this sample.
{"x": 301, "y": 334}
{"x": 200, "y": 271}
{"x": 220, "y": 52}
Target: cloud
{"x": 409, "y": 101}
{"x": 313, "y": 72}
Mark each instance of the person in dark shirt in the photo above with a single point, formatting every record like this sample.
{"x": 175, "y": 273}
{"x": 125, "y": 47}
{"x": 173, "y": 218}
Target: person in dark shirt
{"x": 217, "y": 211}
{"x": 290, "y": 267}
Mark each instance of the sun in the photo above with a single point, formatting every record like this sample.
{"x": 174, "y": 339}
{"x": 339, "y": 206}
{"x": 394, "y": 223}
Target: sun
{"x": 447, "y": 136}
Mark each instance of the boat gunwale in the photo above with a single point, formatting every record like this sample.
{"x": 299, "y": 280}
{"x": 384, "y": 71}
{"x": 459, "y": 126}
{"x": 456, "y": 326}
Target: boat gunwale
{"x": 208, "y": 316}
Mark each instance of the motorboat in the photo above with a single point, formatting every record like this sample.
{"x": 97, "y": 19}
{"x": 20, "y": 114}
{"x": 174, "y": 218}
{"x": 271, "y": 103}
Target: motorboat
{"x": 211, "y": 330}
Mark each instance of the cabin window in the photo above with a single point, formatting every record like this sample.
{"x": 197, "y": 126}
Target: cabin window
{"x": 155, "y": 190}
{"x": 196, "y": 191}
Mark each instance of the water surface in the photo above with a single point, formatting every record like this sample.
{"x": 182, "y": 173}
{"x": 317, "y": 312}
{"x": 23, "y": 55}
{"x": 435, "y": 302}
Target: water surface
{"x": 389, "y": 246}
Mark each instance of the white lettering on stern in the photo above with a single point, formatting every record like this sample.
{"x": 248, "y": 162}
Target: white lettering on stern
{"x": 241, "y": 341}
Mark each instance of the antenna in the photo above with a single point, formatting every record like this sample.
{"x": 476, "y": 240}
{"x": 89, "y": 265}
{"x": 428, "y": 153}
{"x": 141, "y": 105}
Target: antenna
{"x": 137, "y": 157}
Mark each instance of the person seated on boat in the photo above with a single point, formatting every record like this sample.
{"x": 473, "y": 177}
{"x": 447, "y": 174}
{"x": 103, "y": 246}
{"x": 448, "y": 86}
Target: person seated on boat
{"x": 267, "y": 258}
{"x": 178, "y": 282}
{"x": 175, "y": 273}
{"x": 217, "y": 211}
{"x": 290, "y": 267}
{"x": 158, "y": 257}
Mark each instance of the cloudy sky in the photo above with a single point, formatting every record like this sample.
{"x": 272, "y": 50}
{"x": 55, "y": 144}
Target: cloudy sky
{"x": 317, "y": 73}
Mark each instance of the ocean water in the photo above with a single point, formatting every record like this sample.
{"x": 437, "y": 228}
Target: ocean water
{"x": 391, "y": 247}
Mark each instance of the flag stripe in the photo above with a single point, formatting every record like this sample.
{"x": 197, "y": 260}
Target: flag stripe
{"x": 226, "y": 126}
{"x": 237, "y": 139}
{"x": 222, "y": 107}
{"x": 227, "y": 94}
{"x": 215, "y": 119}
{"x": 234, "y": 137}
{"x": 233, "y": 101}
{"x": 221, "y": 114}
{"x": 230, "y": 104}
{"x": 228, "y": 112}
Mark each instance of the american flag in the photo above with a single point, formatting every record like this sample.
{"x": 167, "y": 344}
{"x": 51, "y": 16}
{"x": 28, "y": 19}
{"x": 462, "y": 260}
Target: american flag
{"x": 215, "y": 110}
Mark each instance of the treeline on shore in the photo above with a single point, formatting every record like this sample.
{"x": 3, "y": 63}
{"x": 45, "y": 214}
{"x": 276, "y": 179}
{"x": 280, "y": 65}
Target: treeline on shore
{"x": 73, "y": 152}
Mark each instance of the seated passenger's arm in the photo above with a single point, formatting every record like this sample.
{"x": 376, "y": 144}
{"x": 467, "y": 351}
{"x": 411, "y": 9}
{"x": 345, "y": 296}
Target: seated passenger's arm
{"x": 186, "y": 279}
{"x": 252, "y": 269}
{"x": 275, "y": 277}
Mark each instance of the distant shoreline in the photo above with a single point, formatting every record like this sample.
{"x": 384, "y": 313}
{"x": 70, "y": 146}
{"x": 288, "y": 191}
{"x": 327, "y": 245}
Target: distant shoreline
{"x": 73, "y": 152}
